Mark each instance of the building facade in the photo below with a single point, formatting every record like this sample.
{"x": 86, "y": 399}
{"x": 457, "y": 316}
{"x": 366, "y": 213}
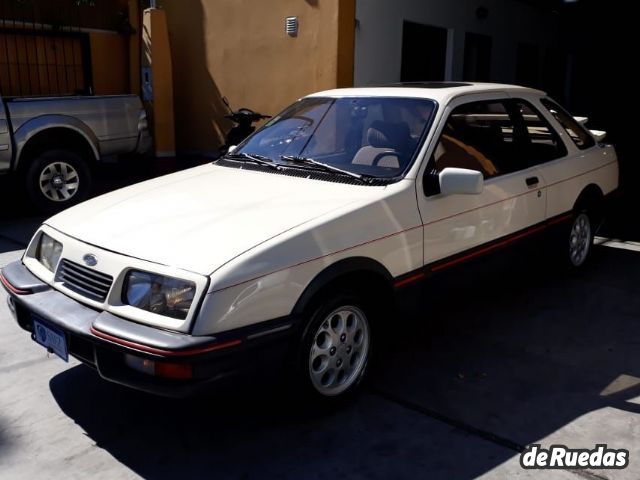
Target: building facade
{"x": 238, "y": 50}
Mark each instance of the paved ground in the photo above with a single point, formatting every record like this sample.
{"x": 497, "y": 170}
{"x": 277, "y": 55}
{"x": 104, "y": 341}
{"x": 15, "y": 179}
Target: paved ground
{"x": 486, "y": 364}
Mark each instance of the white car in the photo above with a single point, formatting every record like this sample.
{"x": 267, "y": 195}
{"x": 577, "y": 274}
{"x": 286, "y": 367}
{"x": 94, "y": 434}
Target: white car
{"x": 292, "y": 248}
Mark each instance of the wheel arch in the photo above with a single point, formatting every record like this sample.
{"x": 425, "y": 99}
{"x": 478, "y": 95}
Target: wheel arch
{"x": 591, "y": 198}
{"x": 54, "y": 131}
{"x": 365, "y": 270}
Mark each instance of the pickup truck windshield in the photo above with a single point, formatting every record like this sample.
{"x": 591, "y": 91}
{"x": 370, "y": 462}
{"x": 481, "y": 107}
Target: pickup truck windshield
{"x": 369, "y": 136}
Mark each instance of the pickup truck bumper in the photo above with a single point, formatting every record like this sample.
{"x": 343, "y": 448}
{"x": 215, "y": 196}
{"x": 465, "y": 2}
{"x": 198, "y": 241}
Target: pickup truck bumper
{"x": 145, "y": 358}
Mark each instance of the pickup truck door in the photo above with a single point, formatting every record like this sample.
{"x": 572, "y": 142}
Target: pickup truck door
{"x": 5, "y": 140}
{"x": 479, "y": 132}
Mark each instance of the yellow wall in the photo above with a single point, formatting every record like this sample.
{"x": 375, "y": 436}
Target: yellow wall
{"x": 238, "y": 49}
{"x": 157, "y": 55}
{"x": 110, "y": 63}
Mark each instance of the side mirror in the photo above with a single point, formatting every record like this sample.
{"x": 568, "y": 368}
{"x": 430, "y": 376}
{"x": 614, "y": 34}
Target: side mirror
{"x": 231, "y": 148}
{"x": 460, "y": 181}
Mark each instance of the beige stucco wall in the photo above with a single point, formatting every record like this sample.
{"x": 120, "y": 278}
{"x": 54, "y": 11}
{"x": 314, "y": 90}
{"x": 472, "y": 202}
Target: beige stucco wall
{"x": 238, "y": 49}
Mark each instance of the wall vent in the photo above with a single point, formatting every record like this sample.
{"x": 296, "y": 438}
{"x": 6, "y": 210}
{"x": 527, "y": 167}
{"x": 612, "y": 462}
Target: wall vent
{"x": 291, "y": 26}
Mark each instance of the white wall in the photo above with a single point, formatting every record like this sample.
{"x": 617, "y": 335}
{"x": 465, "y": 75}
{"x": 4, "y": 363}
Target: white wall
{"x": 379, "y": 34}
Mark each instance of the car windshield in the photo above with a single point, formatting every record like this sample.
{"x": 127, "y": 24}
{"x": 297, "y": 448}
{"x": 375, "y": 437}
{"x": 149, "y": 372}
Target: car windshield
{"x": 369, "y": 136}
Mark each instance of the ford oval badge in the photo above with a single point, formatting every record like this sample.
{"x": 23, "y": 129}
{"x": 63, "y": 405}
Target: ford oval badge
{"x": 90, "y": 260}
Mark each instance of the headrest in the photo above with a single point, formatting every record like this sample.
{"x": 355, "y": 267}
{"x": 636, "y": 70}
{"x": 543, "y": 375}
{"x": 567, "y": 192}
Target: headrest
{"x": 389, "y": 135}
{"x": 377, "y": 139}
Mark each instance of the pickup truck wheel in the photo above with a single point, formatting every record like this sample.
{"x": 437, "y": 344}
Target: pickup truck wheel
{"x": 579, "y": 239}
{"x": 336, "y": 348}
{"x": 57, "y": 179}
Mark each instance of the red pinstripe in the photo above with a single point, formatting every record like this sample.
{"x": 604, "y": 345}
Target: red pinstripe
{"x": 161, "y": 351}
{"x": 11, "y": 288}
{"x": 413, "y": 228}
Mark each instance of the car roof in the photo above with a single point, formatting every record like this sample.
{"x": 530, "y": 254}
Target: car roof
{"x": 438, "y": 91}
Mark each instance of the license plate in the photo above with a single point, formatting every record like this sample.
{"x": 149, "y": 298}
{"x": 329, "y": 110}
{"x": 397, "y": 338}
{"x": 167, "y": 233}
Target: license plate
{"x": 53, "y": 339}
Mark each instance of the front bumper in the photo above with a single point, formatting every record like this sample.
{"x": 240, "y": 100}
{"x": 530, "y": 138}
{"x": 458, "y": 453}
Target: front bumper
{"x": 102, "y": 340}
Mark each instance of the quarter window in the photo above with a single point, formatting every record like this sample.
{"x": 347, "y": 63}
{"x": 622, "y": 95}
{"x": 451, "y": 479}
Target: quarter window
{"x": 539, "y": 141}
{"x": 578, "y": 134}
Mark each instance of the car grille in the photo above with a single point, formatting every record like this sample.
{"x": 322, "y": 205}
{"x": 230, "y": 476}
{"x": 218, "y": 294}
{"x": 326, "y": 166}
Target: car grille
{"x": 83, "y": 280}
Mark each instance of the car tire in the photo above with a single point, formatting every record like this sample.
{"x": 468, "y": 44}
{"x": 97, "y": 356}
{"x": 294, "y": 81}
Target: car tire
{"x": 578, "y": 239}
{"x": 335, "y": 349}
{"x": 57, "y": 179}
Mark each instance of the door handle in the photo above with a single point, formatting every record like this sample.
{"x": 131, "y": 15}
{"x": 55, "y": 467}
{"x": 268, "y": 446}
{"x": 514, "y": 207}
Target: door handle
{"x": 531, "y": 181}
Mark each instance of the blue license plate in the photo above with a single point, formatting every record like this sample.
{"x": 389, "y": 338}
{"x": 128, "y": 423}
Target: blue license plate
{"x": 53, "y": 339}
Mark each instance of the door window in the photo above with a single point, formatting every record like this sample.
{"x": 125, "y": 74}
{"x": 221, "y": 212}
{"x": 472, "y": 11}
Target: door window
{"x": 478, "y": 136}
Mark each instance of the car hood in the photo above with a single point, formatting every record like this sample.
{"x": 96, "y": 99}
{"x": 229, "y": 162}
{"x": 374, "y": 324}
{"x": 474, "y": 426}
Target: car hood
{"x": 201, "y": 218}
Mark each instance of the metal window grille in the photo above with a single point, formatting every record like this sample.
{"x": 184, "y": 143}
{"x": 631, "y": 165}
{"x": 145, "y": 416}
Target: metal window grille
{"x": 45, "y": 47}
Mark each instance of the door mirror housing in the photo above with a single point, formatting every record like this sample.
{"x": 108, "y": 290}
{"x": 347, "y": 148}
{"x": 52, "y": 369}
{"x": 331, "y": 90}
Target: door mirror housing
{"x": 460, "y": 181}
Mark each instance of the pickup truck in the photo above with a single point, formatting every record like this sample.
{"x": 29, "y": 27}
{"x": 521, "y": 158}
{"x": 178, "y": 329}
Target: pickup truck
{"x": 52, "y": 142}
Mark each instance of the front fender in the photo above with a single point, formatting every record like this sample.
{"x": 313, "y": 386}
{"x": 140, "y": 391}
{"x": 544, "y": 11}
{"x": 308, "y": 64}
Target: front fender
{"x": 339, "y": 269}
{"x": 36, "y": 125}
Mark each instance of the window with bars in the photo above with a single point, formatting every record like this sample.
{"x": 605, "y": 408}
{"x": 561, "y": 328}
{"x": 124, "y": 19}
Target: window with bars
{"x": 46, "y": 45}
{"x": 44, "y": 63}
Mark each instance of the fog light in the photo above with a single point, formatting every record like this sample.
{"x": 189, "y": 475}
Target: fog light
{"x": 174, "y": 370}
{"x": 159, "y": 369}
{"x": 142, "y": 365}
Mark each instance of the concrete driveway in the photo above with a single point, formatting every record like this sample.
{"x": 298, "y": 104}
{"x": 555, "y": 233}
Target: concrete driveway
{"x": 515, "y": 354}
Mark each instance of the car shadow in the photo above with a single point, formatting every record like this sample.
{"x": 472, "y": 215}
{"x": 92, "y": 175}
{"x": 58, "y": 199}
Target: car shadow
{"x": 524, "y": 350}
{"x": 620, "y": 214}
{"x": 261, "y": 432}
{"x": 503, "y": 357}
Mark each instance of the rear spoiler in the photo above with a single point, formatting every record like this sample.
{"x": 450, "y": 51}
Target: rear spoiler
{"x": 599, "y": 135}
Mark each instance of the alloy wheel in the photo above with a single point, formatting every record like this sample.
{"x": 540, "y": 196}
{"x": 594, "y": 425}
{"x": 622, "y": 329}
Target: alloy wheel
{"x": 580, "y": 239}
{"x": 339, "y": 351}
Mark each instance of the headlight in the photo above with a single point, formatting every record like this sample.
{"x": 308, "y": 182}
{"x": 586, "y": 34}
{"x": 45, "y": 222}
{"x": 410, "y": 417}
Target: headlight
{"x": 166, "y": 296}
{"x": 48, "y": 251}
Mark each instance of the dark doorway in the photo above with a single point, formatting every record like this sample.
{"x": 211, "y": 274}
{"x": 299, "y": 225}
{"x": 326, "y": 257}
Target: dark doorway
{"x": 528, "y": 65}
{"x": 424, "y": 52}
{"x": 477, "y": 57}
{"x": 554, "y": 73}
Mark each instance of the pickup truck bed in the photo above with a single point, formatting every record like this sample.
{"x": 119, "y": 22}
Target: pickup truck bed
{"x": 52, "y": 141}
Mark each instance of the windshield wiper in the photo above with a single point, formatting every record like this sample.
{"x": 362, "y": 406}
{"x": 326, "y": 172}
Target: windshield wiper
{"x": 326, "y": 167}
{"x": 253, "y": 157}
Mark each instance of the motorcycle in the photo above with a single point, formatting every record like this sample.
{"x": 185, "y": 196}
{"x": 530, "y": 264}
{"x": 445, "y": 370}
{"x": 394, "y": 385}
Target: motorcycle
{"x": 244, "y": 120}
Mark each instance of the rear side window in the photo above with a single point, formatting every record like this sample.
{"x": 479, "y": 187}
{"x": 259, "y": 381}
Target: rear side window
{"x": 577, "y": 133}
{"x": 479, "y": 136}
{"x": 539, "y": 141}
